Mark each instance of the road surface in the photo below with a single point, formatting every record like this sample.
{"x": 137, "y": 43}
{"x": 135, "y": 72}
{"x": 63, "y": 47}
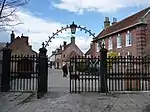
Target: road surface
{"x": 56, "y": 81}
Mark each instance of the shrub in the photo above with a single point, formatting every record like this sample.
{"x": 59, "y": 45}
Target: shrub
{"x": 112, "y": 55}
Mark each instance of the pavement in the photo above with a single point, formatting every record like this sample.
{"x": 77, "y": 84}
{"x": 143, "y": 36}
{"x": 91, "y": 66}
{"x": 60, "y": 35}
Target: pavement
{"x": 58, "y": 99}
{"x": 86, "y": 102}
{"x": 11, "y": 99}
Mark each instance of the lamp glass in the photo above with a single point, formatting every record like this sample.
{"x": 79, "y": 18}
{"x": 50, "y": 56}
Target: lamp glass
{"x": 73, "y": 30}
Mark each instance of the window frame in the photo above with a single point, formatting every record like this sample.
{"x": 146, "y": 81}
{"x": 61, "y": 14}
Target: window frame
{"x": 110, "y": 44}
{"x": 119, "y": 44}
{"x": 128, "y": 39}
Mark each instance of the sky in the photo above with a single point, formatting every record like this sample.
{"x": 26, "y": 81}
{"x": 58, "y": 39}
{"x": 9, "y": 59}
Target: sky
{"x": 42, "y": 18}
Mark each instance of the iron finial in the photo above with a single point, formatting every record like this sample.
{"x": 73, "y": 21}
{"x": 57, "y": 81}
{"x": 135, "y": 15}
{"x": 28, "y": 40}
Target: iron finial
{"x": 43, "y": 44}
{"x": 103, "y": 45}
{"x": 7, "y": 44}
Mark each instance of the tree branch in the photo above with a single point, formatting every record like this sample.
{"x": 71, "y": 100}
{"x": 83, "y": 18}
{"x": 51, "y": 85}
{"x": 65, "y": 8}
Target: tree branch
{"x": 8, "y": 12}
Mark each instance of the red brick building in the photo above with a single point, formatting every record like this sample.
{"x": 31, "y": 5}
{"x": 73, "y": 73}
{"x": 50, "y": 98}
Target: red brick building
{"x": 63, "y": 54}
{"x": 130, "y": 36}
{"x": 91, "y": 51}
{"x": 20, "y": 46}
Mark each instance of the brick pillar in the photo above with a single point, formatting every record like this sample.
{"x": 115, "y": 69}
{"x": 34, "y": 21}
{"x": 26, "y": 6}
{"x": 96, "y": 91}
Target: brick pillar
{"x": 43, "y": 72}
{"x": 141, "y": 39}
{"x": 6, "y": 69}
{"x": 103, "y": 69}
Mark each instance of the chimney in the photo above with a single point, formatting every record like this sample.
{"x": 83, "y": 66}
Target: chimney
{"x": 90, "y": 45}
{"x": 12, "y": 36}
{"x": 73, "y": 39}
{"x": 60, "y": 47}
{"x": 53, "y": 52}
{"x": 58, "y": 50}
{"x": 30, "y": 46}
{"x": 25, "y": 38}
{"x": 65, "y": 43}
{"x": 114, "y": 20}
{"x": 94, "y": 49}
{"x": 106, "y": 22}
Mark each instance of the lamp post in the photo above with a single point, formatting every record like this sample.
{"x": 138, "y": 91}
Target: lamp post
{"x": 73, "y": 27}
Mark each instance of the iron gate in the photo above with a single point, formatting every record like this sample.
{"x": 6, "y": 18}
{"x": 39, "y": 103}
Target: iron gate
{"x": 24, "y": 73}
{"x": 84, "y": 74}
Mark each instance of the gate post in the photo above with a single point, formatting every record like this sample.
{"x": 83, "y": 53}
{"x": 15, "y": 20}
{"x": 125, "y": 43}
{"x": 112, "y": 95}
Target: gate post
{"x": 5, "y": 79}
{"x": 43, "y": 72}
{"x": 103, "y": 69}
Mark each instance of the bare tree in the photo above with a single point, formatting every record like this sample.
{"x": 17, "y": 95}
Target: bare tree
{"x": 8, "y": 12}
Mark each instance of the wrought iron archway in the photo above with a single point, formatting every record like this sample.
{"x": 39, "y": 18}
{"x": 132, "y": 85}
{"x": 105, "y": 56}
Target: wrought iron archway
{"x": 73, "y": 28}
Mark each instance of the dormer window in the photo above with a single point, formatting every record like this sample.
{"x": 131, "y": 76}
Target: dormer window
{"x": 128, "y": 39}
{"x": 119, "y": 41}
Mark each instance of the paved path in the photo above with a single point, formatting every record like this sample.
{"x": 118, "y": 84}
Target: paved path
{"x": 58, "y": 99}
{"x": 9, "y": 100}
{"x": 56, "y": 81}
{"x": 88, "y": 102}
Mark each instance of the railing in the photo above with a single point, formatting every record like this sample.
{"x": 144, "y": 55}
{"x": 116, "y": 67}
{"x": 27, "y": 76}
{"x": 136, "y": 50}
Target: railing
{"x": 128, "y": 73}
{"x": 24, "y": 73}
{"x": 84, "y": 74}
{"x": 122, "y": 74}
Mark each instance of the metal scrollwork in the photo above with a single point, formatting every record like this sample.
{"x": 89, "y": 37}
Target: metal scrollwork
{"x": 65, "y": 29}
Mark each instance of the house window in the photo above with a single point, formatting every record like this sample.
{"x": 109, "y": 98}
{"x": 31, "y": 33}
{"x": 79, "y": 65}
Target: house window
{"x": 99, "y": 44}
{"x": 128, "y": 39}
{"x": 64, "y": 55}
{"x": 98, "y": 47}
{"x": 128, "y": 53}
{"x": 103, "y": 41}
{"x": 110, "y": 43}
{"x": 119, "y": 41}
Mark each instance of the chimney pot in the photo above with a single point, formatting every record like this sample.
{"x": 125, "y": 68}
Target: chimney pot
{"x": 53, "y": 52}
{"x": 73, "y": 39}
{"x": 30, "y": 46}
{"x": 114, "y": 20}
{"x": 106, "y": 18}
{"x": 106, "y": 22}
{"x": 12, "y": 36}
{"x": 65, "y": 43}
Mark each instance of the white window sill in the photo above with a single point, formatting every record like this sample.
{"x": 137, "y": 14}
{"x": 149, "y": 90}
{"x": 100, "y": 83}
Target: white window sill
{"x": 110, "y": 48}
{"x": 119, "y": 46}
{"x": 128, "y": 45}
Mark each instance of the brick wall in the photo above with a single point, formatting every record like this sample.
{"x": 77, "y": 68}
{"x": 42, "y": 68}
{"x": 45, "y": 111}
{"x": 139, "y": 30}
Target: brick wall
{"x": 124, "y": 49}
{"x": 147, "y": 49}
{"x": 94, "y": 49}
{"x": 141, "y": 39}
{"x": 71, "y": 48}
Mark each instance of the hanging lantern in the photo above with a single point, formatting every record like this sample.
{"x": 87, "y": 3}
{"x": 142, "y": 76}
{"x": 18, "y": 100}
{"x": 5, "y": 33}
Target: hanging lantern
{"x": 73, "y": 28}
